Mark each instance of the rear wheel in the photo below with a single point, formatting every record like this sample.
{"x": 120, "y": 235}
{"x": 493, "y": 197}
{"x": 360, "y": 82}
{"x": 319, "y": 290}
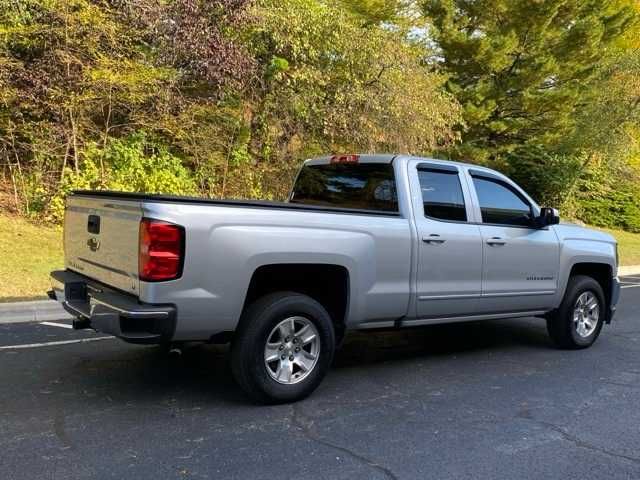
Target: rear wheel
{"x": 283, "y": 348}
{"x": 579, "y": 319}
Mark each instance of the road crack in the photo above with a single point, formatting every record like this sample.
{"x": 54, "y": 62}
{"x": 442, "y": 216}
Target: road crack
{"x": 307, "y": 427}
{"x": 577, "y": 441}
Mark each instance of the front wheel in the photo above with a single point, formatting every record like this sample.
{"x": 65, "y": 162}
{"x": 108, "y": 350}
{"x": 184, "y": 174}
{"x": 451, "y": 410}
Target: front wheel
{"x": 579, "y": 319}
{"x": 283, "y": 348}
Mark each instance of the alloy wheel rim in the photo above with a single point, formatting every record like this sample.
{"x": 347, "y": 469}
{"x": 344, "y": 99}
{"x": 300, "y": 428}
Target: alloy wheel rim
{"x": 292, "y": 350}
{"x": 586, "y": 313}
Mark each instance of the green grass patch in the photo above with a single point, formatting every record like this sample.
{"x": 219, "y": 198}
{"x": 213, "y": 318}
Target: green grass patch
{"x": 628, "y": 246}
{"x": 29, "y": 253}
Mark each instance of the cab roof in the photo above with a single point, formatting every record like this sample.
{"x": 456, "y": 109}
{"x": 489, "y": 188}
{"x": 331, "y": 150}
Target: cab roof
{"x": 388, "y": 158}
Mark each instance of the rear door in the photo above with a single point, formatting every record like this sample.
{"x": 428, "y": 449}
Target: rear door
{"x": 101, "y": 239}
{"x": 449, "y": 246}
{"x": 520, "y": 262}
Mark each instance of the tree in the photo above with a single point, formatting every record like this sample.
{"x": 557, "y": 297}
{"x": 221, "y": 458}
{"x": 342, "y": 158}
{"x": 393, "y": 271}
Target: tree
{"x": 374, "y": 12}
{"x": 522, "y": 69}
{"x": 68, "y": 75}
{"x": 330, "y": 84}
{"x": 77, "y": 74}
{"x": 195, "y": 37}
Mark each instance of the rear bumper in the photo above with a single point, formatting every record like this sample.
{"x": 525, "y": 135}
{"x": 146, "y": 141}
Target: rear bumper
{"x": 111, "y": 311}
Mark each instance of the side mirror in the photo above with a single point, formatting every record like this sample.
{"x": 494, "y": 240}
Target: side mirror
{"x": 548, "y": 216}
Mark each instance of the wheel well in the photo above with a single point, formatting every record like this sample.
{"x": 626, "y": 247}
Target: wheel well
{"x": 600, "y": 272}
{"x": 325, "y": 283}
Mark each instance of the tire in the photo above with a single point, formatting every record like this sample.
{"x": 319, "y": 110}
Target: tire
{"x": 267, "y": 320}
{"x": 573, "y": 333}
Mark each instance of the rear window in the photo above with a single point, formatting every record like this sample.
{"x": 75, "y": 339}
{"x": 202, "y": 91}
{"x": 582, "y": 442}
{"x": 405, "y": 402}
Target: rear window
{"x": 366, "y": 186}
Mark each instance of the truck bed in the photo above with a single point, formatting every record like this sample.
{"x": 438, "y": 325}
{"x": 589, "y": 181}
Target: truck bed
{"x": 147, "y": 197}
{"x": 227, "y": 241}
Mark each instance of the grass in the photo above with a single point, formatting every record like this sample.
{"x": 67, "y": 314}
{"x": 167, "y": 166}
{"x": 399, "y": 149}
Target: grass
{"x": 628, "y": 246}
{"x": 29, "y": 253}
{"x": 32, "y": 251}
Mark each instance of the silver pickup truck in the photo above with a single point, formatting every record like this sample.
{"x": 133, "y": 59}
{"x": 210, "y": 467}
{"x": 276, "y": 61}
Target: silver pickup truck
{"x": 364, "y": 242}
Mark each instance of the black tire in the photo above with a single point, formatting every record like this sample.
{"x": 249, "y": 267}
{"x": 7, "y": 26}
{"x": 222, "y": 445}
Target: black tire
{"x": 560, "y": 324}
{"x": 248, "y": 347}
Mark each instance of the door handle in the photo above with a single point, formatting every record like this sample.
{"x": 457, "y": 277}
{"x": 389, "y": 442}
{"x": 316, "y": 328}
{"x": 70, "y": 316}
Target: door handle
{"x": 433, "y": 238}
{"x": 496, "y": 241}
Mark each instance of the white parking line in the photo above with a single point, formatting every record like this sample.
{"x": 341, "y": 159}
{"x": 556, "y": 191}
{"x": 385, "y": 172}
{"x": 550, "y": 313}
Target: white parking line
{"x": 630, "y": 286}
{"x": 51, "y": 344}
{"x": 53, "y": 324}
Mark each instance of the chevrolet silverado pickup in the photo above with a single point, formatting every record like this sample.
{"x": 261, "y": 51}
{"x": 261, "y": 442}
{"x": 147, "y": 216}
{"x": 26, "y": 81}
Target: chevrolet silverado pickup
{"x": 363, "y": 242}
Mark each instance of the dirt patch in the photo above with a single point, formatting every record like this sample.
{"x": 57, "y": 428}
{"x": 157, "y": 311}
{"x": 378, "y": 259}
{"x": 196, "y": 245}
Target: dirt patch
{"x": 7, "y": 199}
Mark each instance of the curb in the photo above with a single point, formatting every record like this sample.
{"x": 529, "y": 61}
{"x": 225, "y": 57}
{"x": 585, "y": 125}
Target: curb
{"x": 34, "y": 311}
{"x": 629, "y": 270}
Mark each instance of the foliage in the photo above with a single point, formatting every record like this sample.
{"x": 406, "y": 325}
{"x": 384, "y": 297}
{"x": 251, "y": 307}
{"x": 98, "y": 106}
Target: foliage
{"x": 550, "y": 177}
{"x": 520, "y": 68}
{"x": 76, "y": 74}
{"x": 374, "y": 12}
{"x": 73, "y": 74}
{"x": 327, "y": 85}
{"x": 133, "y": 164}
{"x": 608, "y": 119}
{"x": 607, "y": 199}
{"x": 191, "y": 36}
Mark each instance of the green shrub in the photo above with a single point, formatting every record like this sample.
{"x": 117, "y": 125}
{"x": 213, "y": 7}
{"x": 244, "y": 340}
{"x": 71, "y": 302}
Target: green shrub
{"x": 619, "y": 209}
{"x": 607, "y": 200}
{"x": 549, "y": 178}
{"x": 133, "y": 164}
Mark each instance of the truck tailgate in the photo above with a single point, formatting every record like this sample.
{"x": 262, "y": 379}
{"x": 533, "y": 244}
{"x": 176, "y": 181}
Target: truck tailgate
{"x": 101, "y": 240}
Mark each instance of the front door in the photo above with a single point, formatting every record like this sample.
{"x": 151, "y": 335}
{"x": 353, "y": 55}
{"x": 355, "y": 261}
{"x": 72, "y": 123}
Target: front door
{"x": 520, "y": 262}
{"x": 450, "y": 248}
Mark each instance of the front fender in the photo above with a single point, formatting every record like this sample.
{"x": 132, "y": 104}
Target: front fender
{"x": 575, "y": 252}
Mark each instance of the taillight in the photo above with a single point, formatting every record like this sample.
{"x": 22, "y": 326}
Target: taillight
{"x": 161, "y": 250}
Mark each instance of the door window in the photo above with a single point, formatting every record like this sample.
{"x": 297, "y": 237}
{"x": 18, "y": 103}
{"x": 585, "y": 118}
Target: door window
{"x": 500, "y": 204}
{"x": 442, "y": 195}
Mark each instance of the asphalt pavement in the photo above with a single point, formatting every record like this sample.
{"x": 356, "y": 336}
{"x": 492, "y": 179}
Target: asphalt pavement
{"x": 481, "y": 400}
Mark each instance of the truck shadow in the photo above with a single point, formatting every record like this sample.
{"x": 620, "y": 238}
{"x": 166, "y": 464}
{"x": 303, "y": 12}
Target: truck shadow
{"x": 201, "y": 374}
{"x": 442, "y": 340}
{"x": 206, "y": 367}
